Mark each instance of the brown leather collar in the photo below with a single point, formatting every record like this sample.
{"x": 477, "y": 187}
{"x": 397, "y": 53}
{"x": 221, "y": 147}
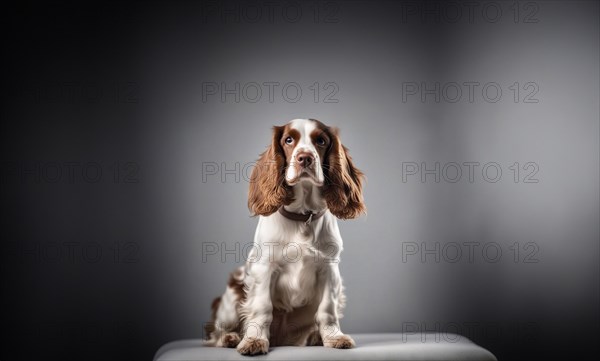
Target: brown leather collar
{"x": 306, "y": 218}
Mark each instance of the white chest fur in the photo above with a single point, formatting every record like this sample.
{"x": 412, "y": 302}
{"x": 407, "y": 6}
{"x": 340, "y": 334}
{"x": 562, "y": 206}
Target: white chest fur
{"x": 295, "y": 279}
{"x": 296, "y": 253}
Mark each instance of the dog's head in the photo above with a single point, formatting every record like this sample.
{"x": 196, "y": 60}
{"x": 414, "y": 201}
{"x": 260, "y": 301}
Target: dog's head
{"x": 306, "y": 150}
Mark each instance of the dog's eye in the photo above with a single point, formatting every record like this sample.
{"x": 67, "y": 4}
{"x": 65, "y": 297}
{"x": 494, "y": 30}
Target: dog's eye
{"x": 320, "y": 141}
{"x": 289, "y": 140}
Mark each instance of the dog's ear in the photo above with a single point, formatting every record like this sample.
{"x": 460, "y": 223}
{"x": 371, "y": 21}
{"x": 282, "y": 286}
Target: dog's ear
{"x": 343, "y": 181}
{"x": 268, "y": 190}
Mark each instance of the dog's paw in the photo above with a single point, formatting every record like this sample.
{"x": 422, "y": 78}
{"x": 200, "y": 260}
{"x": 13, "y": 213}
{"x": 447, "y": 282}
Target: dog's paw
{"x": 231, "y": 340}
{"x": 253, "y": 346}
{"x": 343, "y": 342}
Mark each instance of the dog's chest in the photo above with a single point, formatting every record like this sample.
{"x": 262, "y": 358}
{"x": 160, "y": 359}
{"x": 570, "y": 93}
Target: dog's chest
{"x": 296, "y": 279}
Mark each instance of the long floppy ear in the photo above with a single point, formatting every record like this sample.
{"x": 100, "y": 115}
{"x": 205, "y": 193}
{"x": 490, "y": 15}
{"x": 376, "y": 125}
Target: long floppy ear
{"x": 268, "y": 190}
{"x": 343, "y": 184}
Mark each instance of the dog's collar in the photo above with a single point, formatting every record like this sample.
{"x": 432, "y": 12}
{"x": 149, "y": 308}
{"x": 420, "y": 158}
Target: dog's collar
{"x": 306, "y": 218}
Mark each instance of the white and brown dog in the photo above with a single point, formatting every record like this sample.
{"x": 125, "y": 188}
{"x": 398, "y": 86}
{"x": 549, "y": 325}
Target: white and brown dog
{"x": 290, "y": 290}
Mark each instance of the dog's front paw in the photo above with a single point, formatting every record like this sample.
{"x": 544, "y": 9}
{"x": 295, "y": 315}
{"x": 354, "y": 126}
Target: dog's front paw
{"x": 253, "y": 346}
{"x": 343, "y": 341}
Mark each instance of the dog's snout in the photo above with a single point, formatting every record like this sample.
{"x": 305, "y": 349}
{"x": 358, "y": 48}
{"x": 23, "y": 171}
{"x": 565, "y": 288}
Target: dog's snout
{"x": 305, "y": 159}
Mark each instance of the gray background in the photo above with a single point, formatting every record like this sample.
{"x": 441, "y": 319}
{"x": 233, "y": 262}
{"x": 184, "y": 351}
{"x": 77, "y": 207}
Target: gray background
{"x": 160, "y": 284}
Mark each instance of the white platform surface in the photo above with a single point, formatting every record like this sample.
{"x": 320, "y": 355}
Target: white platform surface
{"x": 382, "y": 346}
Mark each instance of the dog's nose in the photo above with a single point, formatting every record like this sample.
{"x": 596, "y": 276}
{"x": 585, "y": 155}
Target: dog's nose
{"x": 305, "y": 159}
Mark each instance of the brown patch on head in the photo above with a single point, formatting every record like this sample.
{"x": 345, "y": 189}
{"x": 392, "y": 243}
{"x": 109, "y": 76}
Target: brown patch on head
{"x": 288, "y": 147}
{"x": 268, "y": 190}
{"x": 321, "y": 139}
{"x": 343, "y": 181}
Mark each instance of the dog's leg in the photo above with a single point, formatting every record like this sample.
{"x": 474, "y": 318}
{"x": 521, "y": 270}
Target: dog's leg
{"x": 257, "y": 310}
{"x": 224, "y": 329}
{"x": 327, "y": 314}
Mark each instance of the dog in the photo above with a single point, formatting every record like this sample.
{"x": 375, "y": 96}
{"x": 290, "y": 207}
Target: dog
{"x": 290, "y": 292}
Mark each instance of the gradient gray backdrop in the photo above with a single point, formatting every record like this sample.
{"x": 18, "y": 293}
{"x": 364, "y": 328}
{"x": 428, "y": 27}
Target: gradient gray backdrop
{"x": 162, "y": 54}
